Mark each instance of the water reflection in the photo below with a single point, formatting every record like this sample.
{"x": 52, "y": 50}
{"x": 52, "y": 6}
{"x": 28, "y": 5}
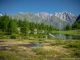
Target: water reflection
{"x": 33, "y": 44}
{"x": 66, "y": 36}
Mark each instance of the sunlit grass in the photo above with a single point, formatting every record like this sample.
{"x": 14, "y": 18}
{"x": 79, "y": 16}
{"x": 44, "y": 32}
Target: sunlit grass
{"x": 71, "y": 32}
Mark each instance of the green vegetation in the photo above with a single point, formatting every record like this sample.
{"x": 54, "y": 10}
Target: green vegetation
{"x": 17, "y": 35}
{"x": 14, "y": 28}
{"x": 70, "y": 32}
{"x": 73, "y": 29}
{"x": 74, "y": 47}
{"x": 74, "y": 26}
{"x": 68, "y": 27}
{"x": 48, "y": 50}
{"x": 5, "y": 55}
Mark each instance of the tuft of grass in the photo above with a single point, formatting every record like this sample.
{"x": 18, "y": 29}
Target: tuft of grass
{"x": 14, "y": 47}
{"x": 43, "y": 52}
{"x": 74, "y": 46}
{"x": 9, "y": 56}
{"x": 57, "y": 42}
{"x": 76, "y": 53}
{"x": 48, "y": 54}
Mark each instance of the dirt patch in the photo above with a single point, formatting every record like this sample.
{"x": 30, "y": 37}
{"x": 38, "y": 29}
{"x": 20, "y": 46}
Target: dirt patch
{"x": 61, "y": 49}
{"x": 47, "y": 47}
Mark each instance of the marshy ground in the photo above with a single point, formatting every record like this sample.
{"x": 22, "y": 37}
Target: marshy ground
{"x": 20, "y": 49}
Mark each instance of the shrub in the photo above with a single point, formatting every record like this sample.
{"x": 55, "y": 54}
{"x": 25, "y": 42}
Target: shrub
{"x": 74, "y": 45}
{"x": 77, "y": 53}
{"x": 13, "y": 36}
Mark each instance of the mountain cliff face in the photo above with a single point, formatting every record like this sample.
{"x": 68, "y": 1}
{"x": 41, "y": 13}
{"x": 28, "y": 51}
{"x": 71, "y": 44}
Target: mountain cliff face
{"x": 58, "y": 20}
{"x": 70, "y": 18}
{"x": 44, "y": 15}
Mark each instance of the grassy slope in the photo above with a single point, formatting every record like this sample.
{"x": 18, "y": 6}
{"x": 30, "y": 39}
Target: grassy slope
{"x": 71, "y": 32}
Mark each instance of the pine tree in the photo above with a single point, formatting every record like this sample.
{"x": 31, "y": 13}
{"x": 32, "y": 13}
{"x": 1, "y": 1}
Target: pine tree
{"x": 4, "y": 20}
{"x": 68, "y": 27}
{"x": 19, "y": 23}
{"x": 12, "y": 27}
{"x": 51, "y": 28}
{"x": 24, "y": 27}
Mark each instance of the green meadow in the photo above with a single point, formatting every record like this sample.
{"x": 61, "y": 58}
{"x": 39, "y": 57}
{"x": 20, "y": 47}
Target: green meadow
{"x": 16, "y": 49}
{"x": 70, "y": 32}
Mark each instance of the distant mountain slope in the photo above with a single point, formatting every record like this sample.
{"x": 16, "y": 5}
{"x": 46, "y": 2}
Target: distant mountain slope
{"x": 29, "y": 16}
{"x": 58, "y": 20}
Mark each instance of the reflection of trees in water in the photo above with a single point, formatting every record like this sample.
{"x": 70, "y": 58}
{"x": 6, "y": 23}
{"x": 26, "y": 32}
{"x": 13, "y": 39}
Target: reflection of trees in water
{"x": 68, "y": 36}
{"x": 76, "y": 37}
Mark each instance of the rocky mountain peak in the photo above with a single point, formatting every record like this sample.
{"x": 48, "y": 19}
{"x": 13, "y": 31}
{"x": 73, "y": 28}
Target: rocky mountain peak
{"x": 44, "y": 15}
{"x": 66, "y": 16}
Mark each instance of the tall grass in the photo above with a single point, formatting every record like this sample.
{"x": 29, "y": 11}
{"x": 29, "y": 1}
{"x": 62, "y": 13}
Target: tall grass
{"x": 9, "y": 56}
{"x": 43, "y": 52}
{"x": 75, "y": 48}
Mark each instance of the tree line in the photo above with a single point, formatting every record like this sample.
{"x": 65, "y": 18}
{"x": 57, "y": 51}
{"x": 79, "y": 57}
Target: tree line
{"x": 14, "y": 26}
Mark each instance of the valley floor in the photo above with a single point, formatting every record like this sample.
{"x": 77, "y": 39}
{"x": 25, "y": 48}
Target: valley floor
{"x": 16, "y": 49}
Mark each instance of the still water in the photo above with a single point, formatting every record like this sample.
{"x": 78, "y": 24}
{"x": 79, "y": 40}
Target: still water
{"x": 66, "y": 36}
{"x": 33, "y": 44}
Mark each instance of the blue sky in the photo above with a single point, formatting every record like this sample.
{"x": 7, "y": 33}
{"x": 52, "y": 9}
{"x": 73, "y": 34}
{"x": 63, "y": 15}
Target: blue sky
{"x": 35, "y": 6}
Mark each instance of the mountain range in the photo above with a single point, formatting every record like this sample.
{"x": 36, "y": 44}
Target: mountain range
{"x": 59, "y": 20}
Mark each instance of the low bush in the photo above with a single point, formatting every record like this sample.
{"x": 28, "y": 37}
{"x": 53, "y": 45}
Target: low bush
{"x": 74, "y": 45}
{"x": 13, "y": 36}
{"x": 77, "y": 53}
